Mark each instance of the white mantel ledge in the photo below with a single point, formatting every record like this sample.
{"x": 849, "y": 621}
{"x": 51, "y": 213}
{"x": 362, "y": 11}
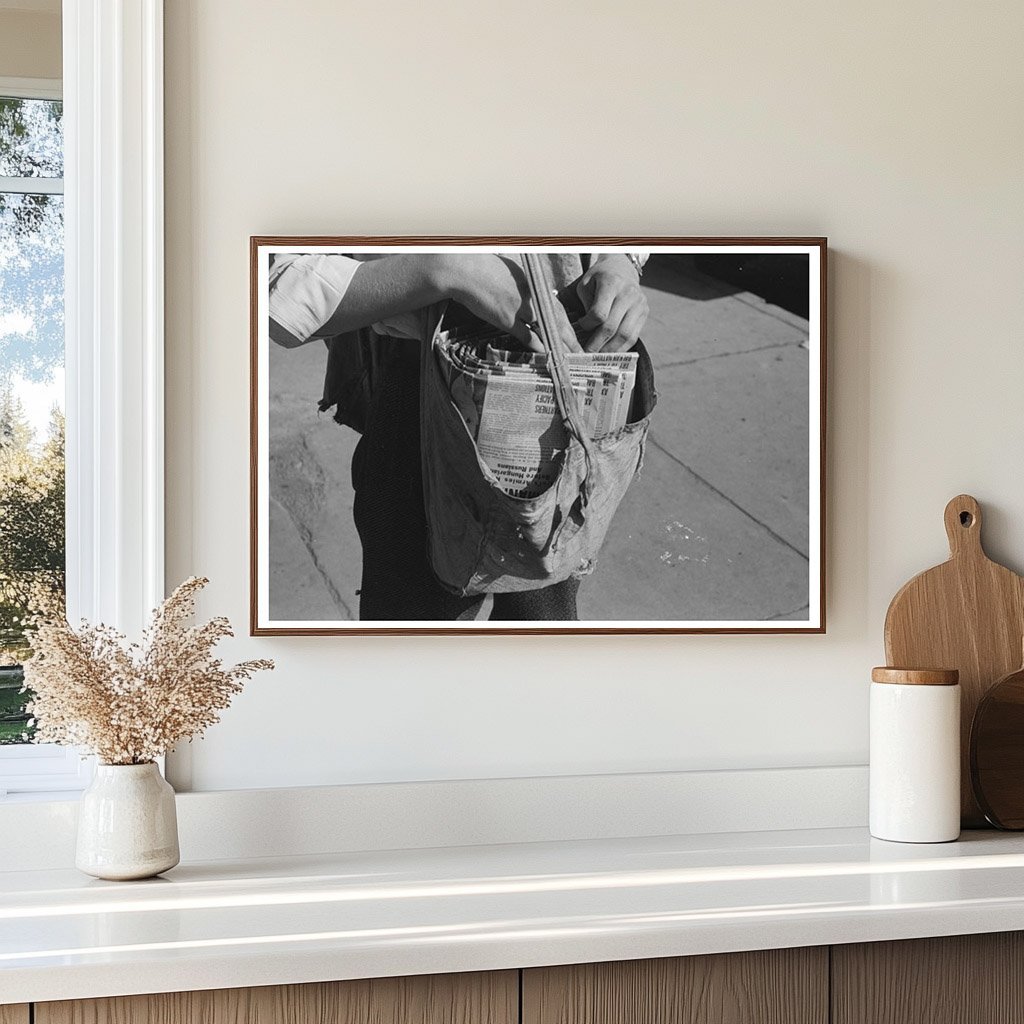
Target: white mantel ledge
{"x": 236, "y": 923}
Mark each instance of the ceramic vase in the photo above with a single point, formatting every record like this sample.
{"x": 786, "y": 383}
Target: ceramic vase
{"x": 127, "y": 825}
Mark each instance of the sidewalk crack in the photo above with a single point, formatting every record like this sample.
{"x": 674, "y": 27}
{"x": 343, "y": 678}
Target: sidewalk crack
{"x": 786, "y": 615}
{"x": 305, "y": 534}
{"x": 724, "y": 355}
{"x": 725, "y": 497}
{"x": 306, "y": 537}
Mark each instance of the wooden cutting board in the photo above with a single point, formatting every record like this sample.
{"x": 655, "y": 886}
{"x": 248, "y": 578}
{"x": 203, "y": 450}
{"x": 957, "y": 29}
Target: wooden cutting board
{"x": 967, "y": 614}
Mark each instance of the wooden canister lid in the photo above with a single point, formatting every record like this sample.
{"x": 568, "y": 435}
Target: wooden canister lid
{"x": 916, "y": 676}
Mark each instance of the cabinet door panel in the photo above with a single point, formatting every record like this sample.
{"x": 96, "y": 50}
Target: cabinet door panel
{"x": 14, "y": 1014}
{"x": 962, "y": 979}
{"x": 779, "y": 986}
{"x": 491, "y": 998}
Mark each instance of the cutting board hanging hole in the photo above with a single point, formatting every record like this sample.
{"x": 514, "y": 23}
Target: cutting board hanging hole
{"x": 963, "y": 525}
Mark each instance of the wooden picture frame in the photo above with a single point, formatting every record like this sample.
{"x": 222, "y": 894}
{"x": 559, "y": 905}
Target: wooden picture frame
{"x": 733, "y": 415}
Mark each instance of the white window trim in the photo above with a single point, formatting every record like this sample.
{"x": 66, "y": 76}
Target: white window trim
{"x": 31, "y": 88}
{"x": 114, "y": 324}
{"x": 32, "y": 186}
{"x": 43, "y": 769}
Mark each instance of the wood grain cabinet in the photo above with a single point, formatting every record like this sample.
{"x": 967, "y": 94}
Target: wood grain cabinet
{"x": 491, "y": 998}
{"x": 972, "y": 979}
{"x": 963, "y": 979}
{"x": 779, "y": 986}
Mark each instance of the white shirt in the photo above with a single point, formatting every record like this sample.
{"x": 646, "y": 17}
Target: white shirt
{"x": 306, "y": 289}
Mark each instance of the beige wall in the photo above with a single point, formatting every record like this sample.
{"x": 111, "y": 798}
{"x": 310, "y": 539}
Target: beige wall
{"x": 29, "y": 44}
{"x": 894, "y": 129}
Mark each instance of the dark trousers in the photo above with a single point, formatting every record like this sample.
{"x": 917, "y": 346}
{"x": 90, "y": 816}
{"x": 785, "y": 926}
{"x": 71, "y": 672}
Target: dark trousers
{"x": 397, "y": 581}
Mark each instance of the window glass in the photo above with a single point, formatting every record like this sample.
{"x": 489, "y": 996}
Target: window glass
{"x": 31, "y": 386}
{"x": 31, "y": 138}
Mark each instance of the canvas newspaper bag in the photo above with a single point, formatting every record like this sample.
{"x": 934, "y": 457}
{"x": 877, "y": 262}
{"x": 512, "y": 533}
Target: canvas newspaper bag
{"x": 483, "y": 540}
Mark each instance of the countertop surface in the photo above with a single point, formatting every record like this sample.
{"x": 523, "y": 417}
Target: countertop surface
{"x": 224, "y": 924}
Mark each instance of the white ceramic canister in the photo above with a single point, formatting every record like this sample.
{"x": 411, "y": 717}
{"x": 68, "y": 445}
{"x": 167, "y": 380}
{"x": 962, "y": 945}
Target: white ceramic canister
{"x": 915, "y": 755}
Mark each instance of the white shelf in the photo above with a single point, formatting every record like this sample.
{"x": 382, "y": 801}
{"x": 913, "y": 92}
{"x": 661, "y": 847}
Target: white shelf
{"x": 226, "y": 924}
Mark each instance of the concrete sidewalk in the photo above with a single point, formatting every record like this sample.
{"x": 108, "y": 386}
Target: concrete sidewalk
{"x": 716, "y": 525}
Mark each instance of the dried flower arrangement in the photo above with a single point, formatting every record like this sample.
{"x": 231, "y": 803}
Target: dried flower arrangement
{"x": 130, "y": 703}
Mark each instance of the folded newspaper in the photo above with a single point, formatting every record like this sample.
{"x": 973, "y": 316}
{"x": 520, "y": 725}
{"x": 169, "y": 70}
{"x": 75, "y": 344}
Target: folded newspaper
{"x": 507, "y": 399}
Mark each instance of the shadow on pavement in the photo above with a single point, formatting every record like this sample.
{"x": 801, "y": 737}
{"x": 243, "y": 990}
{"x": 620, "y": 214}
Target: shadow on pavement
{"x": 778, "y": 278}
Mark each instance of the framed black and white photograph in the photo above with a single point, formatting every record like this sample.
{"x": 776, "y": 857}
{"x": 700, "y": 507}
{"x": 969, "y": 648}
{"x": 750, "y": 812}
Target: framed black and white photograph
{"x": 539, "y": 435}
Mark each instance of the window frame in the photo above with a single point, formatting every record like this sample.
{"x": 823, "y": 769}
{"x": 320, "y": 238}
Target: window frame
{"x": 31, "y": 88}
{"x": 38, "y": 767}
{"x": 112, "y": 89}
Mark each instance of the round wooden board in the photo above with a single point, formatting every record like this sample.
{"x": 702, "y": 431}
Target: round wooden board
{"x": 997, "y": 752}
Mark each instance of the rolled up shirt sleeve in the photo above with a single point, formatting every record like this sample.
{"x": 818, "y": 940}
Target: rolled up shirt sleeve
{"x": 307, "y": 288}
{"x": 640, "y": 255}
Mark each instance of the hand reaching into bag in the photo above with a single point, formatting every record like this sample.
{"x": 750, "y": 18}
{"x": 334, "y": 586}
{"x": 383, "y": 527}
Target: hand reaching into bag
{"x": 494, "y": 288}
{"x": 616, "y": 307}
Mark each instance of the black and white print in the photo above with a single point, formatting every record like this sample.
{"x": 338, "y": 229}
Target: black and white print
{"x": 719, "y": 530}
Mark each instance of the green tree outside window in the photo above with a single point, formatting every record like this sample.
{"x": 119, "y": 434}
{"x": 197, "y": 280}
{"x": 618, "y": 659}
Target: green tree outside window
{"x": 32, "y": 541}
